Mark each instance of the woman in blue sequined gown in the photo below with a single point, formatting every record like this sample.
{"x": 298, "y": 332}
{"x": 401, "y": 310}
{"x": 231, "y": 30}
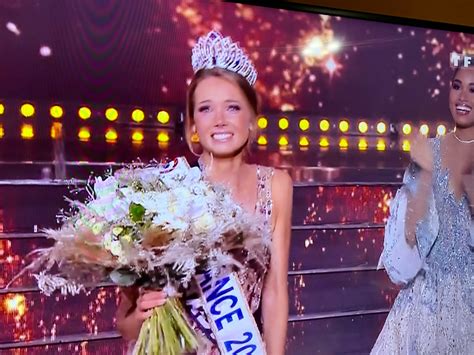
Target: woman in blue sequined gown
{"x": 428, "y": 245}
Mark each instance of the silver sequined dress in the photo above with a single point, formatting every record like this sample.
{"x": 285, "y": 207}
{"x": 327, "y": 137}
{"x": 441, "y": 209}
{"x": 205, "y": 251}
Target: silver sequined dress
{"x": 434, "y": 313}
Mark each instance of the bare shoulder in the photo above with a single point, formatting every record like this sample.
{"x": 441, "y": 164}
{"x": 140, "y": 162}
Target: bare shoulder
{"x": 282, "y": 189}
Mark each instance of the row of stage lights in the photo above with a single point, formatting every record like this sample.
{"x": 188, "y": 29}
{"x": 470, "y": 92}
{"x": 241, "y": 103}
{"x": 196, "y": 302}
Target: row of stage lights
{"x": 344, "y": 126}
{"x": 111, "y": 114}
{"x": 137, "y": 137}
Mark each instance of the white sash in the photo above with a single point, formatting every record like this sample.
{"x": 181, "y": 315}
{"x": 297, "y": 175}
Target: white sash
{"x": 231, "y": 320}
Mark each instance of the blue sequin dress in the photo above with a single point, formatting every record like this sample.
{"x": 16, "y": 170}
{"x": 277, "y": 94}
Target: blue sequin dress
{"x": 434, "y": 312}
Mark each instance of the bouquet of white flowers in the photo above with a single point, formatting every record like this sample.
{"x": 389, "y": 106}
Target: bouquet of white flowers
{"x": 156, "y": 226}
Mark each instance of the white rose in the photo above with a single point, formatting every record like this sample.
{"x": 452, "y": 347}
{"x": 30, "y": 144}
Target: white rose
{"x": 105, "y": 188}
{"x": 204, "y": 224}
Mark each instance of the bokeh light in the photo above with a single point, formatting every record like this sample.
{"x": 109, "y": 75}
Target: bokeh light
{"x": 283, "y": 123}
{"x": 84, "y": 134}
{"x": 27, "y": 131}
{"x": 138, "y": 115}
{"x": 111, "y": 114}
{"x": 304, "y": 124}
{"x": 344, "y": 126}
{"x": 324, "y": 125}
{"x": 163, "y": 117}
{"x": 27, "y": 110}
{"x": 84, "y": 113}
{"x": 381, "y": 127}
{"x": 262, "y": 122}
{"x": 56, "y": 111}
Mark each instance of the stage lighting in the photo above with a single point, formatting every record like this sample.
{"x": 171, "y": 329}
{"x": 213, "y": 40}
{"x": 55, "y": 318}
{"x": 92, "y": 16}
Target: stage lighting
{"x": 324, "y": 125}
{"x": 441, "y": 130}
{"x": 84, "y": 134}
{"x": 15, "y": 303}
{"x": 56, "y": 130}
{"x": 262, "y": 140}
{"x": 304, "y": 142}
{"x": 137, "y": 137}
{"x": 56, "y": 111}
{"x": 163, "y": 137}
{"x": 406, "y": 145}
{"x": 343, "y": 143}
{"x": 27, "y": 131}
{"x": 84, "y": 113}
{"x": 2, "y": 132}
{"x": 111, "y": 114}
{"x": 283, "y": 123}
{"x": 283, "y": 141}
{"x": 262, "y": 122}
{"x": 195, "y": 138}
{"x": 363, "y": 127}
{"x": 380, "y": 144}
{"x": 406, "y": 129}
{"x": 324, "y": 142}
{"x": 363, "y": 144}
{"x": 163, "y": 117}
{"x": 138, "y": 115}
{"x": 111, "y": 135}
{"x": 27, "y": 110}
{"x": 2, "y": 109}
{"x": 344, "y": 126}
{"x": 304, "y": 124}
{"x": 381, "y": 127}
{"x": 424, "y": 129}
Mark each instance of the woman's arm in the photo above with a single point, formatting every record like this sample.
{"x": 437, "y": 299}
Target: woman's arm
{"x": 275, "y": 291}
{"x": 134, "y": 307}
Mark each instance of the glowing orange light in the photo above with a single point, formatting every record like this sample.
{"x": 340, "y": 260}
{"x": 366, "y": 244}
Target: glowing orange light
{"x": 138, "y": 115}
{"x": 84, "y": 134}
{"x": 56, "y": 130}
{"x": 262, "y": 122}
{"x": 195, "y": 138}
{"x": 85, "y": 113}
{"x": 27, "y": 131}
{"x": 111, "y": 114}
{"x": 15, "y": 304}
{"x": 163, "y": 117}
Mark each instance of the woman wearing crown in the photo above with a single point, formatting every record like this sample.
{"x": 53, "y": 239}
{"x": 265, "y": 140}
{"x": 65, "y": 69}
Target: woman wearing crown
{"x": 222, "y": 107}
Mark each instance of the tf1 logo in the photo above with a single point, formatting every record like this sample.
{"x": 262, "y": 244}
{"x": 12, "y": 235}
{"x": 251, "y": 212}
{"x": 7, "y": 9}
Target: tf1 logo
{"x": 459, "y": 60}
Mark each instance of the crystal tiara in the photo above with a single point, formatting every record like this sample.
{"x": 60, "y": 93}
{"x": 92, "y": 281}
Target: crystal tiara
{"x": 213, "y": 50}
